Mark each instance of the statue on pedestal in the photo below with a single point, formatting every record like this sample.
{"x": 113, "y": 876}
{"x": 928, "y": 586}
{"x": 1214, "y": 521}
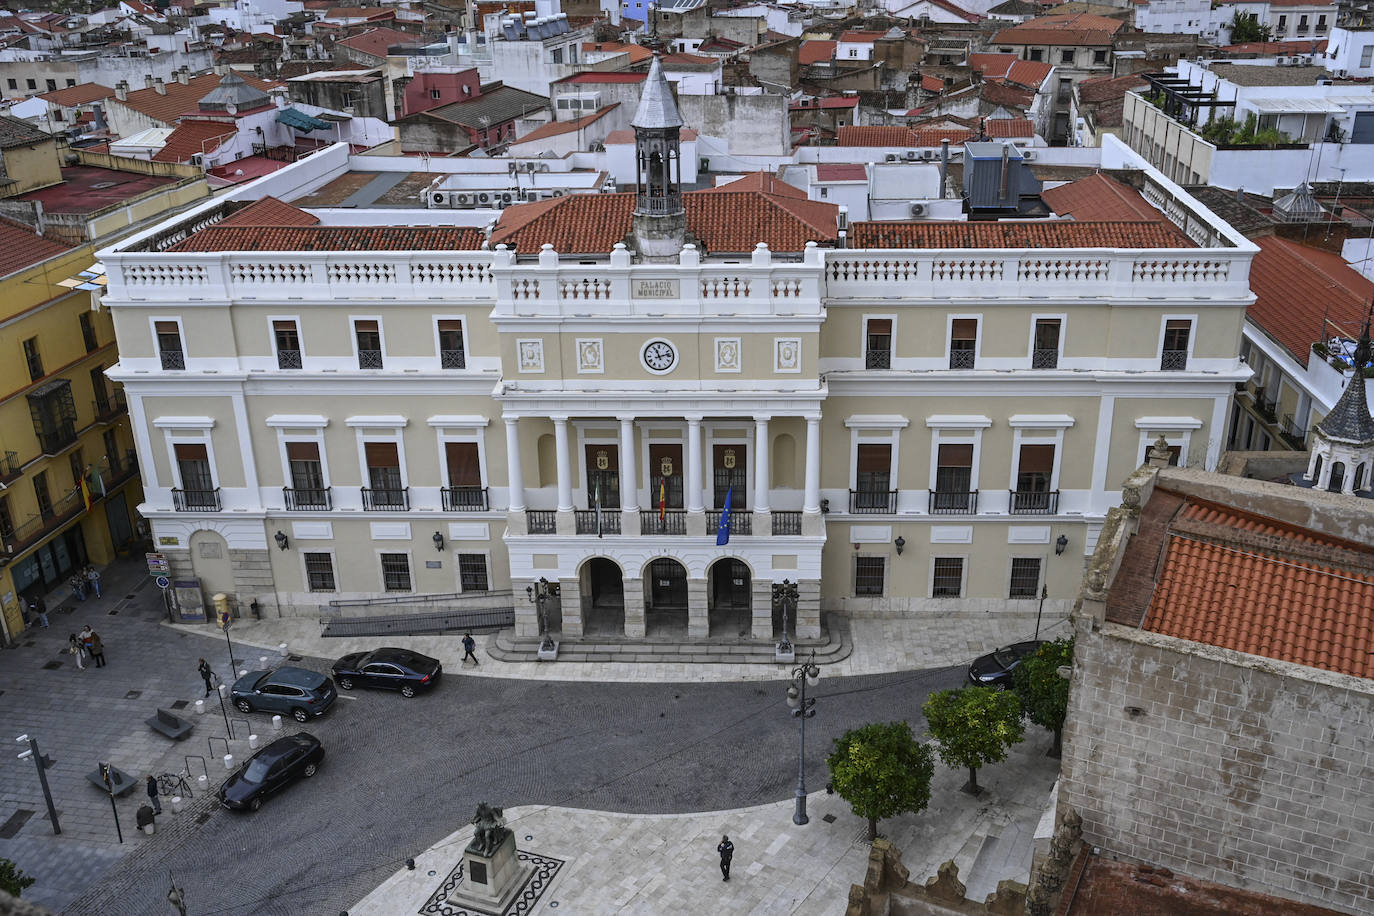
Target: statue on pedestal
{"x": 491, "y": 830}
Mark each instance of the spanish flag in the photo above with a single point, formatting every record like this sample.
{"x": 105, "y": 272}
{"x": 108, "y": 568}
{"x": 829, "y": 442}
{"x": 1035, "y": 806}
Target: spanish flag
{"x": 662, "y": 498}
{"x": 86, "y": 494}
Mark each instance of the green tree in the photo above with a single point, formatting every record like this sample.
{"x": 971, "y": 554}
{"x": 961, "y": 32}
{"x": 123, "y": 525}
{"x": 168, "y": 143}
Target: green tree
{"x": 974, "y": 726}
{"x": 882, "y": 771}
{"x": 1245, "y": 27}
{"x": 12, "y": 880}
{"x": 1043, "y": 693}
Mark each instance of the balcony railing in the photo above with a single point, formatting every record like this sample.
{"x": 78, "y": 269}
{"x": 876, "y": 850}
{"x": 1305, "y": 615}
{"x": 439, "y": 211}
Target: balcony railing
{"x": 786, "y": 523}
{"x": 52, "y": 441}
{"x": 953, "y": 502}
{"x": 377, "y": 499}
{"x": 36, "y": 527}
{"x": 873, "y": 502}
{"x": 109, "y": 407}
{"x": 1034, "y": 502}
{"x": 369, "y": 359}
{"x": 961, "y": 359}
{"x": 453, "y": 359}
{"x": 196, "y": 500}
{"x": 1294, "y": 433}
{"x": 541, "y": 521}
{"x": 1044, "y": 359}
{"x": 740, "y": 522}
{"x": 173, "y": 359}
{"x": 9, "y": 467}
{"x": 674, "y": 521}
{"x": 465, "y": 499}
{"x": 587, "y": 524}
{"x": 288, "y": 359}
{"x": 1173, "y": 360}
{"x": 878, "y": 359}
{"x": 1265, "y": 405}
{"x": 300, "y": 499}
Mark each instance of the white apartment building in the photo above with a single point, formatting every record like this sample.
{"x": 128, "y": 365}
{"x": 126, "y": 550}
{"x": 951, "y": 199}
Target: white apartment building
{"x": 1287, "y": 20}
{"x": 918, "y": 417}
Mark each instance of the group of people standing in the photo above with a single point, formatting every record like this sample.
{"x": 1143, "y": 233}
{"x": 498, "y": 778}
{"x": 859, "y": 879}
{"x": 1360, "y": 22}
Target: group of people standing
{"x": 85, "y": 643}
{"x": 83, "y": 580}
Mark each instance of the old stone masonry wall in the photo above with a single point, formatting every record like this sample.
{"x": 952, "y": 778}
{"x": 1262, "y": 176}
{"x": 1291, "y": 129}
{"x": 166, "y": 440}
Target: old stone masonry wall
{"x": 1222, "y": 766}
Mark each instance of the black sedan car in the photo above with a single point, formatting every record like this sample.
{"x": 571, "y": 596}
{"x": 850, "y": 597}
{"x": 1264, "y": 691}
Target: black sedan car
{"x": 995, "y": 669}
{"x": 274, "y": 767}
{"x": 389, "y": 669}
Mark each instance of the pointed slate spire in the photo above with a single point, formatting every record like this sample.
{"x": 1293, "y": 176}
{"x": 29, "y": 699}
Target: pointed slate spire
{"x": 657, "y": 107}
{"x": 1349, "y": 420}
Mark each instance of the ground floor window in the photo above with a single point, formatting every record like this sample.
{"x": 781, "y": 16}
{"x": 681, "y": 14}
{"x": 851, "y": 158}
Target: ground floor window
{"x": 319, "y": 572}
{"x": 472, "y": 572}
{"x": 396, "y": 572}
{"x": 948, "y": 578}
{"x": 1025, "y": 577}
{"x": 868, "y": 576}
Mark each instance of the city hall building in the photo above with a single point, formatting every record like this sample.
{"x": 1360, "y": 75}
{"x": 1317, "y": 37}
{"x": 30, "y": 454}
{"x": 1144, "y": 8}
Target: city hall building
{"x": 342, "y": 389}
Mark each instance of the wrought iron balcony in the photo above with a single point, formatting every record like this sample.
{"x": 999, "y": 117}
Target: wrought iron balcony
{"x": 541, "y": 521}
{"x": 1034, "y": 502}
{"x": 587, "y": 523}
{"x": 953, "y": 502}
{"x": 110, "y": 407}
{"x": 1265, "y": 406}
{"x": 173, "y": 359}
{"x": 54, "y": 440}
{"x": 873, "y": 502}
{"x": 740, "y": 522}
{"x": 878, "y": 359}
{"x": 288, "y": 359}
{"x": 18, "y": 539}
{"x": 464, "y": 499}
{"x": 1173, "y": 360}
{"x": 1296, "y": 435}
{"x": 369, "y": 359}
{"x": 961, "y": 359}
{"x": 787, "y": 523}
{"x": 9, "y": 467}
{"x": 453, "y": 359}
{"x": 378, "y": 499}
{"x": 674, "y": 521}
{"x": 301, "y": 499}
{"x": 196, "y": 500}
{"x": 1044, "y": 359}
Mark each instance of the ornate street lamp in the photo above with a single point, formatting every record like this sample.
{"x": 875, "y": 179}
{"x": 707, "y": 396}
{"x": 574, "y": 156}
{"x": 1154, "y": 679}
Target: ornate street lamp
{"x": 803, "y": 708}
{"x": 538, "y": 594}
{"x": 785, "y": 594}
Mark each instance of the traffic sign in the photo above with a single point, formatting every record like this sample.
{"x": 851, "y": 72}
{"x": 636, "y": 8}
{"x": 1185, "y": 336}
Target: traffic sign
{"x": 162, "y": 581}
{"x": 157, "y": 564}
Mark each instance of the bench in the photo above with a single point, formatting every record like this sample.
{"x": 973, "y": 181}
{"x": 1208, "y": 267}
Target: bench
{"x": 169, "y": 724}
{"x": 120, "y": 782}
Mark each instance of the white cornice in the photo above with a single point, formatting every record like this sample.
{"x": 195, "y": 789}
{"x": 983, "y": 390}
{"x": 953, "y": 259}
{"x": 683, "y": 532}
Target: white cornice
{"x": 184, "y": 422}
{"x": 388, "y": 421}
{"x": 1040, "y": 421}
{"x": 458, "y": 421}
{"x": 953, "y": 421}
{"x": 877, "y": 421}
{"x": 1168, "y": 423}
{"x": 298, "y": 421}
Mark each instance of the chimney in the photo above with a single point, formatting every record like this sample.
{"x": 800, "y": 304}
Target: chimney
{"x": 159, "y": 86}
{"x": 147, "y": 81}
{"x": 1240, "y": 194}
{"x": 122, "y": 90}
{"x": 98, "y": 116}
{"x": 184, "y": 75}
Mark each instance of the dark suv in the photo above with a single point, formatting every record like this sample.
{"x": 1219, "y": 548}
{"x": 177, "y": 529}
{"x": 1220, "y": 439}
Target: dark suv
{"x": 298, "y": 692}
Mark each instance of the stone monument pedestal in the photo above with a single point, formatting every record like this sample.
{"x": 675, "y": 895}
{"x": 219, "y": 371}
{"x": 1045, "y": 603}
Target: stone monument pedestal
{"x": 491, "y": 880}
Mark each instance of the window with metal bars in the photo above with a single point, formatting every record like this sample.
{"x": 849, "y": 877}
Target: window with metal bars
{"x": 193, "y": 462}
{"x": 1176, "y": 334}
{"x": 383, "y": 465}
{"x": 169, "y": 345}
{"x": 88, "y": 331}
{"x": 868, "y": 576}
{"x": 319, "y": 572}
{"x": 472, "y": 572}
{"x": 948, "y": 578}
{"x": 954, "y": 467}
{"x": 369, "y": 338}
{"x": 963, "y": 342}
{"x": 878, "y": 344}
{"x": 32, "y": 359}
{"x": 288, "y": 340}
{"x": 451, "y": 352}
{"x": 396, "y": 572}
{"x": 1046, "y": 352}
{"x": 1025, "y": 578}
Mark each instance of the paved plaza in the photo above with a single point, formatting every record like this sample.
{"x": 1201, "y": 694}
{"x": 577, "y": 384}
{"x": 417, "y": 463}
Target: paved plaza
{"x": 401, "y": 775}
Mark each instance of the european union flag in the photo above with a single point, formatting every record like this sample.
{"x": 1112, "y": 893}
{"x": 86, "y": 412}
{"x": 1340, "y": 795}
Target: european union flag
{"x": 723, "y": 530}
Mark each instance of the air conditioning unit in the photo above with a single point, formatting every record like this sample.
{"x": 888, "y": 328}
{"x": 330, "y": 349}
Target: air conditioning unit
{"x": 911, "y": 155}
{"x": 438, "y": 199}
{"x": 508, "y": 198}
{"x": 512, "y": 168}
{"x": 891, "y": 157}
{"x": 559, "y": 192}
{"x": 928, "y": 154}
{"x": 598, "y": 147}
{"x": 465, "y": 201}
{"x": 484, "y": 198}
{"x": 918, "y": 209}
{"x": 1029, "y": 155}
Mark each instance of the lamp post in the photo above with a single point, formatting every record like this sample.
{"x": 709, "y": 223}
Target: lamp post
{"x": 802, "y": 708}
{"x": 538, "y": 594}
{"x": 785, "y": 594}
{"x": 1044, "y": 593}
{"x": 42, "y": 763}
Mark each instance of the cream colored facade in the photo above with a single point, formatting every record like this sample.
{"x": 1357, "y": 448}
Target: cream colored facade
{"x": 879, "y": 481}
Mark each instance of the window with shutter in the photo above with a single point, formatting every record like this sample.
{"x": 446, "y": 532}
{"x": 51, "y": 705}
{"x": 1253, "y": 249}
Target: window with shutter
{"x": 954, "y": 469}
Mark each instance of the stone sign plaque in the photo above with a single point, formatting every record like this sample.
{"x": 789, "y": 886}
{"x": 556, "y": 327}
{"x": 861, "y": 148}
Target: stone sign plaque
{"x": 477, "y": 872}
{"x": 655, "y": 289}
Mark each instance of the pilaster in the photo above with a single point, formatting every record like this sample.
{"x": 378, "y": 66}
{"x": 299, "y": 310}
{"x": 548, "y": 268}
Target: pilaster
{"x": 698, "y": 620}
{"x": 570, "y": 597}
{"x": 762, "y": 606}
{"x": 808, "y": 624}
{"x": 634, "y": 608}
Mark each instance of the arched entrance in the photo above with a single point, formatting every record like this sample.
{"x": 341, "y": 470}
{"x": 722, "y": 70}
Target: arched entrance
{"x": 730, "y": 596}
{"x": 665, "y": 599}
{"x": 603, "y": 598}
{"x": 1337, "y": 477}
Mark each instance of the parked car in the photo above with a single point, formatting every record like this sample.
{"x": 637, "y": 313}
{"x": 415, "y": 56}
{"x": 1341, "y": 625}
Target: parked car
{"x": 995, "y": 669}
{"x": 389, "y": 669}
{"x": 298, "y": 692}
{"x": 273, "y": 768}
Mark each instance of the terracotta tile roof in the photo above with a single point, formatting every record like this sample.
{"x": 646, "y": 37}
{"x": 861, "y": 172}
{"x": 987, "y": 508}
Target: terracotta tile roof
{"x": 21, "y": 247}
{"x": 270, "y": 212}
{"x": 359, "y": 12}
{"x": 1254, "y": 585}
{"x": 558, "y": 128}
{"x": 991, "y": 65}
{"x": 597, "y": 76}
{"x": 895, "y": 135}
{"x": 374, "y": 42}
{"x": 1304, "y": 294}
{"x": 841, "y": 171}
{"x": 333, "y": 238}
{"x": 1006, "y": 95}
{"x": 719, "y": 43}
{"x": 14, "y": 132}
{"x": 669, "y": 61}
{"x": 1275, "y": 48}
{"x": 1029, "y": 73}
{"x": 861, "y": 36}
{"x": 1014, "y": 234}
{"x": 78, "y": 95}
{"x": 1008, "y": 128}
{"x": 1073, "y": 29}
{"x": 815, "y": 52}
{"x": 181, "y": 98}
{"x": 1102, "y": 88}
{"x": 1099, "y": 197}
{"x": 762, "y": 182}
{"x": 192, "y": 137}
{"x": 638, "y": 54}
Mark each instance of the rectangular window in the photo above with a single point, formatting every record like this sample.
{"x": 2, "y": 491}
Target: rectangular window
{"x": 464, "y": 468}
{"x": 451, "y": 355}
{"x": 1066, "y": 56}
{"x": 319, "y": 572}
{"x": 169, "y": 345}
{"x": 53, "y": 411}
{"x": 954, "y": 468}
{"x": 1035, "y": 469}
{"x": 1099, "y": 56}
{"x": 40, "y": 493}
{"x": 383, "y": 465}
{"x": 88, "y": 332}
{"x": 1037, "y": 54}
{"x": 878, "y": 344}
{"x": 307, "y": 473}
{"x": 1366, "y": 57}
{"x": 193, "y": 463}
{"x": 32, "y": 359}
{"x": 6, "y": 520}
{"x": 51, "y": 84}
{"x": 558, "y": 55}
{"x": 434, "y": 94}
{"x": 472, "y": 572}
{"x": 288, "y": 340}
{"x": 369, "y": 337}
{"x": 396, "y": 572}
{"x": 71, "y": 83}
{"x": 874, "y": 470}
{"x": 947, "y": 581}
{"x": 1046, "y": 352}
{"x": 1025, "y": 578}
{"x": 112, "y": 457}
{"x": 1175, "y": 355}
{"x": 963, "y": 342}
{"x": 32, "y": 84}
{"x": 14, "y": 84}
{"x": 78, "y": 467}
{"x": 868, "y": 576}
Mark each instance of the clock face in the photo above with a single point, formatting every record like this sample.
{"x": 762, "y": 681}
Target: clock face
{"x": 659, "y": 355}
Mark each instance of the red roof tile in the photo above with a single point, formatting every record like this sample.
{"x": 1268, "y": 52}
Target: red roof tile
{"x": 333, "y": 238}
{"x": 558, "y": 128}
{"x": 1074, "y": 29}
{"x": 637, "y": 53}
{"x": 21, "y": 247}
{"x": 1304, "y": 294}
{"x": 78, "y": 95}
{"x": 894, "y": 135}
{"x": 1029, "y": 73}
{"x": 841, "y": 171}
{"x": 762, "y": 182}
{"x": 996, "y": 92}
{"x": 191, "y": 137}
{"x": 1014, "y": 234}
{"x": 374, "y": 42}
{"x": 181, "y": 98}
{"x": 861, "y": 36}
{"x": 1008, "y": 128}
{"x": 360, "y": 12}
{"x": 991, "y": 65}
{"x": 1102, "y": 88}
{"x": 1222, "y": 585}
{"x": 1098, "y": 197}
{"x": 815, "y": 52}
{"x": 270, "y": 212}
{"x": 932, "y": 83}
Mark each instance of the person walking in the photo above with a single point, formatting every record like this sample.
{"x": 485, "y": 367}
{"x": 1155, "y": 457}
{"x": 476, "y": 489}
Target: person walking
{"x": 42, "y": 608}
{"x": 96, "y": 647}
{"x": 727, "y": 852}
{"x": 468, "y": 645}
{"x": 93, "y": 579}
{"x": 77, "y": 652}
{"x": 206, "y": 675}
{"x": 152, "y": 794}
{"x": 78, "y": 584}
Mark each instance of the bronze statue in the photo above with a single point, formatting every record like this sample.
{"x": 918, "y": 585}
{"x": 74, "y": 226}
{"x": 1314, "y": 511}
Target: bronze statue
{"x": 491, "y": 829}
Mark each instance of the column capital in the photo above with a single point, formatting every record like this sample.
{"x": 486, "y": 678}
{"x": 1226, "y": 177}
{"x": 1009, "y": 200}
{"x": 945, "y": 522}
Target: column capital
{"x": 812, "y": 417}
{"x": 625, "y": 418}
{"x": 560, "y": 417}
{"x": 762, "y": 418}
{"x": 510, "y": 417}
{"x": 694, "y": 417}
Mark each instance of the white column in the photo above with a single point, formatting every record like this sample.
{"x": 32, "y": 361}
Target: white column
{"x": 761, "y": 464}
{"x": 629, "y": 489}
{"x": 811, "y": 501}
{"x": 515, "y": 481}
{"x": 560, "y": 438}
{"x": 693, "y": 483}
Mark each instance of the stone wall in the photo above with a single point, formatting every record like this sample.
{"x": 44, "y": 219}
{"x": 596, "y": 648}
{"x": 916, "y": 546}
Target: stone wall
{"x": 1222, "y": 766}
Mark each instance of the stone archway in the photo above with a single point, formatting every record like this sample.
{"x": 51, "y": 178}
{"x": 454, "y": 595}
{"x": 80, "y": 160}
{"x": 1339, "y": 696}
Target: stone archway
{"x": 730, "y": 598}
{"x": 665, "y": 598}
{"x": 602, "y": 585}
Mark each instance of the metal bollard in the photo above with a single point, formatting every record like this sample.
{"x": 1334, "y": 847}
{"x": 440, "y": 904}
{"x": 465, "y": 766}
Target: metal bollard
{"x": 228, "y": 761}
{"x": 243, "y": 672}
{"x": 276, "y": 723}
{"x": 200, "y": 707}
{"x": 252, "y": 742}
{"x": 176, "y": 804}
{"x": 202, "y": 783}
{"x": 283, "y": 650}
{"x": 262, "y": 661}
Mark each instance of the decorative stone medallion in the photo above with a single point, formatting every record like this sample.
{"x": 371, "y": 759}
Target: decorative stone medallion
{"x": 728, "y": 354}
{"x": 787, "y": 354}
{"x": 531, "y": 355}
{"x": 589, "y": 355}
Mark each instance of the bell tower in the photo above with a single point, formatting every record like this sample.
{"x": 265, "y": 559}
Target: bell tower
{"x": 660, "y": 225}
{"x": 1343, "y": 442}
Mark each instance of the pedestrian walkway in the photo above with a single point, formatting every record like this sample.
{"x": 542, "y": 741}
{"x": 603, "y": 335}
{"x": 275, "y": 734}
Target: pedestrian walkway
{"x": 879, "y": 645}
{"x": 655, "y": 864}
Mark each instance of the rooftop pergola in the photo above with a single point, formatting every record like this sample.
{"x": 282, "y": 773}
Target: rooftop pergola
{"x": 1182, "y": 99}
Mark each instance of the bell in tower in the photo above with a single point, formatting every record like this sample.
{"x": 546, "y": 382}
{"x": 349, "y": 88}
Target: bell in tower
{"x": 660, "y": 225}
